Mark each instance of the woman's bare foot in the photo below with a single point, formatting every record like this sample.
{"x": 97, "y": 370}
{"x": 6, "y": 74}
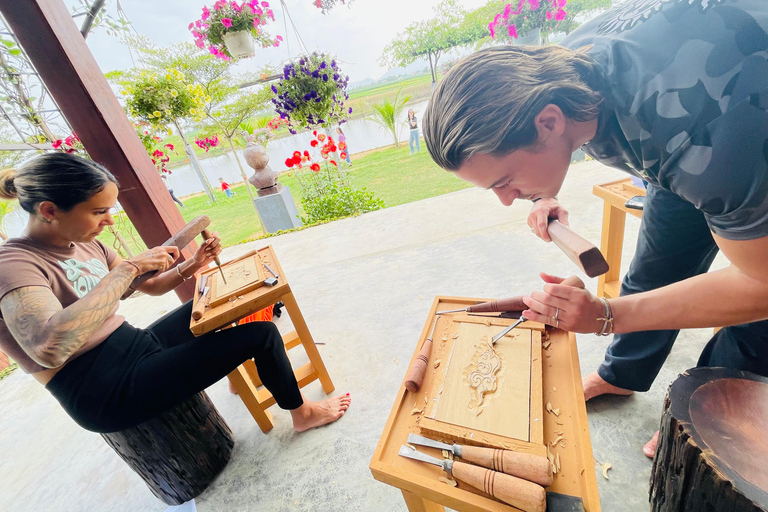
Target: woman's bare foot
{"x": 315, "y": 414}
{"x": 594, "y": 385}
{"x": 650, "y": 447}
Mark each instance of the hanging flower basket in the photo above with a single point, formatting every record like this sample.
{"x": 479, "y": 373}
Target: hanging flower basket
{"x": 524, "y": 25}
{"x": 229, "y": 29}
{"x": 240, "y": 45}
{"x": 312, "y": 93}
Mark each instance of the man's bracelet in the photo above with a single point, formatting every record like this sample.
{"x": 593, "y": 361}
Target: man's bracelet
{"x": 181, "y": 276}
{"x": 607, "y": 319}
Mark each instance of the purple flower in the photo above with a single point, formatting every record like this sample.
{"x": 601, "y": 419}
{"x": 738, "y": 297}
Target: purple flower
{"x": 274, "y": 89}
{"x": 325, "y": 77}
{"x": 350, "y": 110}
{"x": 307, "y": 97}
{"x": 322, "y": 65}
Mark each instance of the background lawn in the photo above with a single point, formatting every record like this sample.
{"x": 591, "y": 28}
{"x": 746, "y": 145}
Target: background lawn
{"x": 391, "y": 173}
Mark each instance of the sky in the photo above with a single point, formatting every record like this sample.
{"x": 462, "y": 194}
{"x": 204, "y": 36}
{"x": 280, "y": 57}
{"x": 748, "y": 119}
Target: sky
{"x": 356, "y": 34}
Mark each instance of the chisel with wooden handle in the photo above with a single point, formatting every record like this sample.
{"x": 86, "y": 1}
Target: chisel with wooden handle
{"x": 527, "y": 466}
{"x": 199, "y": 310}
{"x": 494, "y": 306}
{"x": 514, "y": 491}
{"x": 415, "y": 376}
{"x": 206, "y": 235}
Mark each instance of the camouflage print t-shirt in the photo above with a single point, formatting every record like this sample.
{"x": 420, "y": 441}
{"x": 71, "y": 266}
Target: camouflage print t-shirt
{"x": 686, "y": 84}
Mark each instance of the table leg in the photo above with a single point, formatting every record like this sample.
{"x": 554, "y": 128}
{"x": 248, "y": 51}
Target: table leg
{"x": 306, "y": 340}
{"x": 416, "y": 503}
{"x": 611, "y": 245}
{"x": 247, "y": 392}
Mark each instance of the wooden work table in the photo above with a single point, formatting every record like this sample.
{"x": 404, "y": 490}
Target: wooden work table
{"x": 245, "y": 378}
{"x": 615, "y": 194}
{"x": 561, "y": 380}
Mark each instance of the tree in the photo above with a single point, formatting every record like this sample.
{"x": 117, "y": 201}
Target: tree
{"x": 387, "y": 115}
{"x": 450, "y": 28}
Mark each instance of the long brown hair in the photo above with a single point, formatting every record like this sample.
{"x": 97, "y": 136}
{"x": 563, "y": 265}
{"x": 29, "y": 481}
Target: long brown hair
{"x": 63, "y": 179}
{"x": 488, "y": 102}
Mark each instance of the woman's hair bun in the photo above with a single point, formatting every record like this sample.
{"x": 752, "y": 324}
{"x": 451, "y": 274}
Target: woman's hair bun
{"x": 7, "y": 188}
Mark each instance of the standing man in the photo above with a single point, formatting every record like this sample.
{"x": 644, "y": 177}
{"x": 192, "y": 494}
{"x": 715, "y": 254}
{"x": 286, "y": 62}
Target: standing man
{"x": 674, "y": 92}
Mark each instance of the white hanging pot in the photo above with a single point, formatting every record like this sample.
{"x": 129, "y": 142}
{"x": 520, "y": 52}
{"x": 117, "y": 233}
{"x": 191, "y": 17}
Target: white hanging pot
{"x": 240, "y": 44}
{"x": 532, "y": 37}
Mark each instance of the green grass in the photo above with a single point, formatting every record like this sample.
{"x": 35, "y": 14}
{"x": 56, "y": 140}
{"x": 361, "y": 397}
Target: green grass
{"x": 391, "y": 173}
{"x": 7, "y": 371}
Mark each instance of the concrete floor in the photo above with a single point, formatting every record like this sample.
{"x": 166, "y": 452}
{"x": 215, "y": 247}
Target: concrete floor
{"x": 365, "y": 286}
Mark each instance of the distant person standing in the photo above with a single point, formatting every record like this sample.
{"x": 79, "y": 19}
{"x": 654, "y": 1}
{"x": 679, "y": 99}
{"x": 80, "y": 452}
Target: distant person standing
{"x": 170, "y": 190}
{"x": 226, "y": 188}
{"x": 345, "y": 149}
{"x": 413, "y": 125}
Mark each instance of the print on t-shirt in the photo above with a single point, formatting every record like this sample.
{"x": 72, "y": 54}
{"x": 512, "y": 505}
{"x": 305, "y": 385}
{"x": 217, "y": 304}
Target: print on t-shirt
{"x": 82, "y": 282}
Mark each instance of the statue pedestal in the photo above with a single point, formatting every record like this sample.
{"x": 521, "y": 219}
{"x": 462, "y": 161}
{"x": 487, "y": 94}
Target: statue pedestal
{"x": 278, "y": 211}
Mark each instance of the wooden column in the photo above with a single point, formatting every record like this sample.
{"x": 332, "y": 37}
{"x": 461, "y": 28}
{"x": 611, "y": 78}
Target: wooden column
{"x": 59, "y": 53}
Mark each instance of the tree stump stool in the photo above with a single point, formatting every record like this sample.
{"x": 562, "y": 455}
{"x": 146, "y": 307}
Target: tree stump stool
{"x": 712, "y": 444}
{"x": 178, "y": 453}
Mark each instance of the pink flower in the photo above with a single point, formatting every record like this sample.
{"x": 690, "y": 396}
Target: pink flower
{"x": 265, "y": 4}
{"x": 190, "y": 26}
{"x": 550, "y": 15}
{"x": 318, "y": 3}
{"x": 491, "y": 29}
{"x": 57, "y": 144}
{"x": 236, "y": 6}
{"x": 512, "y": 30}
{"x": 227, "y": 22}
{"x": 519, "y": 7}
{"x": 279, "y": 38}
{"x": 561, "y": 3}
{"x": 206, "y": 13}
{"x": 534, "y": 4}
{"x": 507, "y": 12}
{"x": 560, "y": 15}
{"x": 219, "y": 5}
{"x": 255, "y": 21}
{"x": 200, "y": 43}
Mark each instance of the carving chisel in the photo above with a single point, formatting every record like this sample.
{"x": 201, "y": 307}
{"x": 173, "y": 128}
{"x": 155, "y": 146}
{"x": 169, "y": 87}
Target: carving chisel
{"x": 199, "y": 310}
{"x": 514, "y": 491}
{"x": 415, "y": 376}
{"x": 495, "y": 306}
{"x": 568, "y": 281}
{"x": 206, "y": 235}
{"x": 533, "y": 468}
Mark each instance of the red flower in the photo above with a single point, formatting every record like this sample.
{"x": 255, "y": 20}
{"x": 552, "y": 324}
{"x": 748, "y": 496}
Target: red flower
{"x": 321, "y": 137}
{"x": 314, "y": 132}
{"x": 306, "y": 153}
{"x": 289, "y": 162}
{"x": 313, "y": 143}
{"x": 169, "y": 146}
{"x": 157, "y": 153}
{"x": 296, "y": 155}
{"x": 343, "y": 155}
{"x": 71, "y": 150}
{"x": 334, "y": 163}
{"x": 315, "y": 167}
{"x": 57, "y": 144}
{"x": 342, "y": 145}
{"x": 297, "y": 159}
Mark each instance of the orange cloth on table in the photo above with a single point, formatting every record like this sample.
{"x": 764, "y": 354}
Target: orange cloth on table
{"x": 265, "y": 315}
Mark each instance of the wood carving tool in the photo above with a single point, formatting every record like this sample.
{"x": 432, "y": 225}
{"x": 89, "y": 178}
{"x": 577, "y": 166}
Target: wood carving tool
{"x": 270, "y": 281}
{"x": 180, "y": 240}
{"x": 199, "y": 309}
{"x": 494, "y": 306}
{"x": 514, "y": 491}
{"x": 533, "y": 468}
{"x": 568, "y": 281}
{"x": 203, "y": 280}
{"x": 415, "y": 376}
{"x": 580, "y": 250}
{"x": 206, "y": 235}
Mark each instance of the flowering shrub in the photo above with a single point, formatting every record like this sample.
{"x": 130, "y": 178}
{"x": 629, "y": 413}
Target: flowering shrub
{"x": 159, "y": 99}
{"x": 311, "y": 93}
{"x": 207, "y": 143}
{"x": 158, "y": 152}
{"x": 528, "y": 16}
{"x": 71, "y": 144}
{"x": 226, "y": 17}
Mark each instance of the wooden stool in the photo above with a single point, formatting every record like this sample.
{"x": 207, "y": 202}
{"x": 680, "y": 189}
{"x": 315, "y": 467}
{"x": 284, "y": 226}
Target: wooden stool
{"x": 712, "y": 447}
{"x": 178, "y": 453}
{"x": 244, "y": 378}
{"x": 615, "y": 194}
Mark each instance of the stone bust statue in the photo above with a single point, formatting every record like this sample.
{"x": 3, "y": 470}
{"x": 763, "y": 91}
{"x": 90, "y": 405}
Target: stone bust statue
{"x": 264, "y": 178}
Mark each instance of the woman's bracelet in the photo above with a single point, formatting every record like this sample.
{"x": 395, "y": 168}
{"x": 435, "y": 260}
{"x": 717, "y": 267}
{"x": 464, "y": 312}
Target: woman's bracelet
{"x": 138, "y": 270}
{"x": 607, "y": 319}
{"x": 181, "y": 276}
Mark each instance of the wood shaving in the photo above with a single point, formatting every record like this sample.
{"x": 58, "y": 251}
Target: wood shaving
{"x": 421, "y": 297}
{"x": 446, "y": 454}
{"x": 487, "y": 323}
{"x": 416, "y": 410}
{"x": 606, "y": 467}
{"x": 396, "y": 361}
{"x": 559, "y": 432}
{"x": 436, "y": 364}
{"x": 546, "y": 344}
{"x": 409, "y": 445}
{"x": 562, "y": 443}
{"x": 455, "y": 336}
{"x": 551, "y": 458}
{"x": 559, "y": 438}
{"x": 557, "y": 462}
{"x": 549, "y": 406}
{"x": 554, "y": 388}
{"x": 448, "y": 481}
{"x": 445, "y": 338}
{"x": 556, "y": 412}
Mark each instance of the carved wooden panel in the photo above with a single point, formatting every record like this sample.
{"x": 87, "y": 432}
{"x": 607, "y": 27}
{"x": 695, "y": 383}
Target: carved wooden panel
{"x": 242, "y": 276}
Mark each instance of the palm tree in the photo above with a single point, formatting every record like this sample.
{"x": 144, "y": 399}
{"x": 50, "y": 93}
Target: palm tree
{"x": 387, "y": 115}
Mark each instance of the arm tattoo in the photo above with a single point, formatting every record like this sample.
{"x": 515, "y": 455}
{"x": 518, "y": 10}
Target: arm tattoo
{"x": 50, "y": 334}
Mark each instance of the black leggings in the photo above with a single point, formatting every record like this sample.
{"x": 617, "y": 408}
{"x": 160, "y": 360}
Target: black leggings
{"x": 136, "y": 374}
